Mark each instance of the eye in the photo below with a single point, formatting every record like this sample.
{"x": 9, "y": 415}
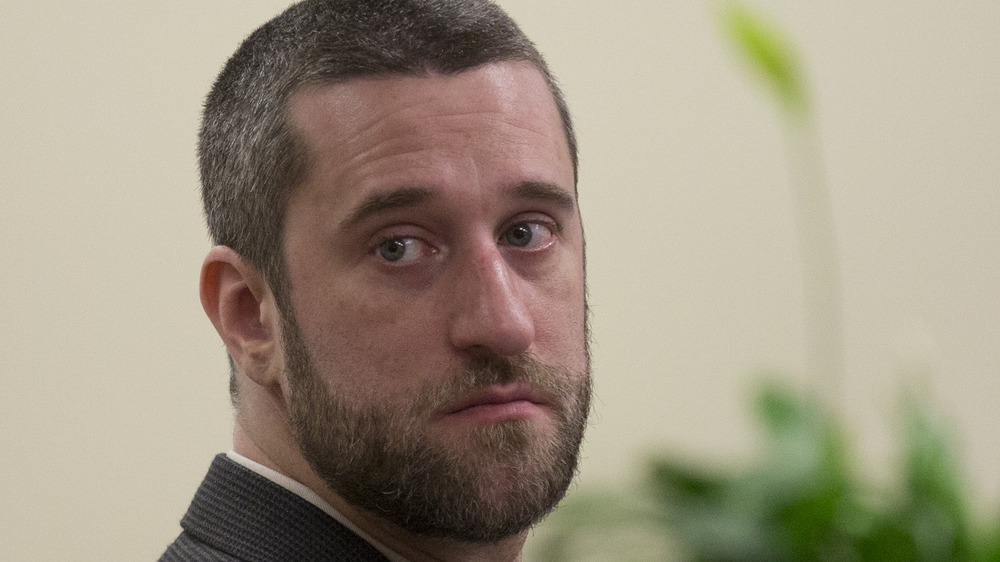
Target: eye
{"x": 528, "y": 235}
{"x": 402, "y": 249}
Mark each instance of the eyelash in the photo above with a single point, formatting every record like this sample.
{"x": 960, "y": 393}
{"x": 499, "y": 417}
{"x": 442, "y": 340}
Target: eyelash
{"x": 382, "y": 241}
{"x": 552, "y": 226}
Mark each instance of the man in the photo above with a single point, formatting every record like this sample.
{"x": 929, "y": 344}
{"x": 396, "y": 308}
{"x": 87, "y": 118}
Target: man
{"x": 398, "y": 279}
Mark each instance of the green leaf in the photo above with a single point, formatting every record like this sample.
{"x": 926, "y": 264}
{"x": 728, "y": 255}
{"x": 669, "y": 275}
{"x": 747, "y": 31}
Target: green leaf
{"x": 935, "y": 505}
{"x": 677, "y": 482}
{"x": 768, "y": 52}
{"x": 777, "y": 407}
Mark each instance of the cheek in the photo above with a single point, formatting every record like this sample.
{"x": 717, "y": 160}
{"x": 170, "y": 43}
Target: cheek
{"x": 560, "y": 320}
{"x": 369, "y": 347}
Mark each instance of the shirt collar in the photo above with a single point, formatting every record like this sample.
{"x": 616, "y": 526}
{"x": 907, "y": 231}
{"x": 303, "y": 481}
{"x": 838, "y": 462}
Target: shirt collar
{"x": 312, "y": 497}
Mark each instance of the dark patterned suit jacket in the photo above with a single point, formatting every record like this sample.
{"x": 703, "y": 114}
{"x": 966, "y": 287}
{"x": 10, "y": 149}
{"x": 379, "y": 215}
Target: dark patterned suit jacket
{"x": 238, "y": 515}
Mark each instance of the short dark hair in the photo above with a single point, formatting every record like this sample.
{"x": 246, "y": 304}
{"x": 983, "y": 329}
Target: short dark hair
{"x": 251, "y": 158}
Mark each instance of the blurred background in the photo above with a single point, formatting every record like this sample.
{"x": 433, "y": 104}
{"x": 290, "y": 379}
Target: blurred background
{"x": 114, "y": 384}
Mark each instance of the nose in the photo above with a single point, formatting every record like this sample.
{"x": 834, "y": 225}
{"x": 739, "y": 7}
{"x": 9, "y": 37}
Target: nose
{"x": 490, "y": 310}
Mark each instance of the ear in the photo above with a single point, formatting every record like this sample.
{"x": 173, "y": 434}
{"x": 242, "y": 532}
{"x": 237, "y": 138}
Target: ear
{"x": 240, "y": 304}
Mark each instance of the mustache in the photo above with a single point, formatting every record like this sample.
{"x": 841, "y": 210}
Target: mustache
{"x": 486, "y": 370}
{"x": 559, "y": 384}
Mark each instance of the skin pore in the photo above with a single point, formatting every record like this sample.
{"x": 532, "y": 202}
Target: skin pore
{"x": 430, "y": 379}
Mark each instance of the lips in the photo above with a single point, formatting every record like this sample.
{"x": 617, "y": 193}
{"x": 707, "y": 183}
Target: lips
{"x": 499, "y": 403}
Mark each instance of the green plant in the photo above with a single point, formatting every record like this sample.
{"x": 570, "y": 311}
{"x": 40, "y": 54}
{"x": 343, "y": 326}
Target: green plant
{"x": 802, "y": 499}
{"x": 771, "y": 56}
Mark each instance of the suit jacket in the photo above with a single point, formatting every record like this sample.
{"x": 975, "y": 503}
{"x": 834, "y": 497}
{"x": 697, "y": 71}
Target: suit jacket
{"x": 238, "y": 515}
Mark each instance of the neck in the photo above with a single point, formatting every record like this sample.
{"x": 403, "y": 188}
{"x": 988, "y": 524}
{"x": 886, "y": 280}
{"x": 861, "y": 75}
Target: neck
{"x": 415, "y": 548}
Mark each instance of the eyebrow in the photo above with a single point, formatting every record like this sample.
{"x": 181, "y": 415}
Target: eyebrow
{"x": 380, "y": 202}
{"x": 412, "y": 196}
{"x": 542, "y": 191}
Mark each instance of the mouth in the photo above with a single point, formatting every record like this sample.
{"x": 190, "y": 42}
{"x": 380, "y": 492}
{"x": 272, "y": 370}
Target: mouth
{"x": 498, "y": 403}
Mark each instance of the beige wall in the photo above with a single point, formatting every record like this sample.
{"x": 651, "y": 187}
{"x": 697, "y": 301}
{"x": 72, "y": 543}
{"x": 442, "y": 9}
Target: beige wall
{"x": 113, "y": 384}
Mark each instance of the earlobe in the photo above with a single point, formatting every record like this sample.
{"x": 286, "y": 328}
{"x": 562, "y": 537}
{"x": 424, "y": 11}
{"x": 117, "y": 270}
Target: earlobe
{"x": 241, "y": 307}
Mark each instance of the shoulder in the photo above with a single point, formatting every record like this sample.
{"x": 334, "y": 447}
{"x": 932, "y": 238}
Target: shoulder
{"x": 239, "y": 515}
{"x": 187, "y": 548}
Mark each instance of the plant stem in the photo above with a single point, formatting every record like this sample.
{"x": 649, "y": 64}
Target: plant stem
{"x": 819, "y": 257}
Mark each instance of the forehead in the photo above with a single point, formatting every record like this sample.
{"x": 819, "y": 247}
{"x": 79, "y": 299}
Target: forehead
{"x": 350, "y": 124}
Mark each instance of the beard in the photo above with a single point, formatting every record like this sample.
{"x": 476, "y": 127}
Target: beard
{"x": 488, "y": 483}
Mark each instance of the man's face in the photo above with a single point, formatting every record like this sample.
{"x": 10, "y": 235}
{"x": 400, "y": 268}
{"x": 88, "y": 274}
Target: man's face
{"x": 438, "y": 373}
